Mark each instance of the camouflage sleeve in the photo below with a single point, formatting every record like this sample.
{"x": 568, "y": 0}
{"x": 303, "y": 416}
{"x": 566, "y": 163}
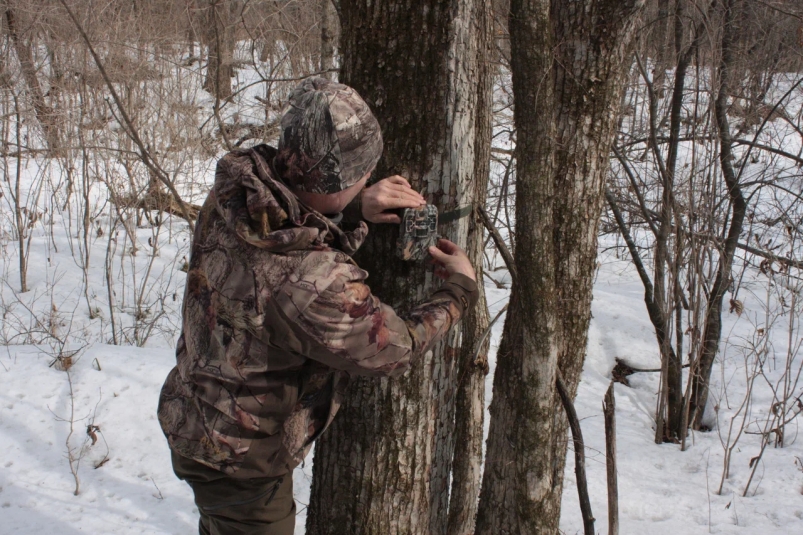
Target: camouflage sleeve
{"x": 337, "y": 321}
{"x": 352, "y": 213}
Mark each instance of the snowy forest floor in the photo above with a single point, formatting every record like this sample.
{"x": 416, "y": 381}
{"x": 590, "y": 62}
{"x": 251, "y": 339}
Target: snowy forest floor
{"x": 127, "y": 485}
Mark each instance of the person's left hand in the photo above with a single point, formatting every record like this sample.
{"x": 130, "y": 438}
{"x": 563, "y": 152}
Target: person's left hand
{"x": 389, "y": 193}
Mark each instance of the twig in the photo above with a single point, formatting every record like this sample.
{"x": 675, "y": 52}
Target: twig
{"x": 71, "y": 459}
{"x": 488, "y": 331}
{"x": 145, "y": 156}
{"x": 579, "y": 454}
{"x": 500, "y": 244}
{"x": 160, "y": 496}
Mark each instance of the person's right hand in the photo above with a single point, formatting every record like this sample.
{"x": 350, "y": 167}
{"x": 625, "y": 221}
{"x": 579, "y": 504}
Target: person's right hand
{"x": 450, "y": 259}
{"x": 388, "y": 194}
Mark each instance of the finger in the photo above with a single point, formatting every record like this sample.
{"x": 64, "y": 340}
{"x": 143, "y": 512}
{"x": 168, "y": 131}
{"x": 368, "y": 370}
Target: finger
{"x": 399, "y": 184}
{"x": 406, "y": 191}
{"x": 438, "y": 255}
{"x": 396, "y": 179}
{"x": 398, "y": 189}
{"x": 447, "y": 246}
{"x": 385, "y": 218}
{"x": 391, "y": 203}
{"x": 394, "y": 192}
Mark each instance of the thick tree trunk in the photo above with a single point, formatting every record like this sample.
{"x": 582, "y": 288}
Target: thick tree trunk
{"x": 383, "y": 467}
{"x": 560, "y": 179}
{"x": 473, "y": 358}
{"x": 518, "y": 463}
{"x": 593, "y": 61}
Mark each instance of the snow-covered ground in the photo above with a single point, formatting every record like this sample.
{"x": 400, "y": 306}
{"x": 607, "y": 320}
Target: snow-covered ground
{"x": 661, "y": 489}
{"x": 133, "y": 293}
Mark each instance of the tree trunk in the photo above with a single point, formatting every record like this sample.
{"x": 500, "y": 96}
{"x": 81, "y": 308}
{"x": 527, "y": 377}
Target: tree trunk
{"x": 670, "y": 421}
{"x": 560, "y": 178}
{"x": 518, "y": 463}
{"x": 609, "y": 414}
{"x": 592, "y": 68}
{"x": 661, "y": 44}
{"x": 473, "y": 358}
{"x": 713, "y": 317}
{"x": 383, "y": 467}
{"x": 327, "y": 38}
{"x": 218, "y": 33}
{"x": 44, "y": 113}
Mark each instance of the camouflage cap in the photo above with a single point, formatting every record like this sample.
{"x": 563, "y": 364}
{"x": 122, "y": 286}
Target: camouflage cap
{"x": 329, "y": 138}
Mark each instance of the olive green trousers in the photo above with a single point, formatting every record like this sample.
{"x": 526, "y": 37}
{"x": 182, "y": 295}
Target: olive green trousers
{"x": 229, "y": 506}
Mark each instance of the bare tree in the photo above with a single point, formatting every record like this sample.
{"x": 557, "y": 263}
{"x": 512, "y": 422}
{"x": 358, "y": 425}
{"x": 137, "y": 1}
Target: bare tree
{"x": 567, "y": 93}
{"x": 384, "y": 465}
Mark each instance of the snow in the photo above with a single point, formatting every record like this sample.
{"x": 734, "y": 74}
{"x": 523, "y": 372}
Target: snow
{"x": 135, "y": 490}
{"x": 661, "y": 489}
{"x": 126, "y": 481}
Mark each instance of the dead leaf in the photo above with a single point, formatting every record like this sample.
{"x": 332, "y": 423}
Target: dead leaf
{"x": 91, "y": 431}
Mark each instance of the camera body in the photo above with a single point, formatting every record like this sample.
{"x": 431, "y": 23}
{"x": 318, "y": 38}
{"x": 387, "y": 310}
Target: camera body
{"x": 419, "y": 231}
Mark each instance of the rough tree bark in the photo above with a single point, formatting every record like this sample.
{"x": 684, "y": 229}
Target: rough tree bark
{"x": 592, "y": 63}
{"x": 568, "y": 61}
{"x": 383, "y": 467}
{"x": 327, "y": 37}
{"x": 218, "y": 36}
{"x": 518, "y": 467}
{"x": 472, "y": 365}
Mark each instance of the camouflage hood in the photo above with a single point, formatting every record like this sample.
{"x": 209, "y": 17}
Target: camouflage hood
{"x": 263, "y": 211}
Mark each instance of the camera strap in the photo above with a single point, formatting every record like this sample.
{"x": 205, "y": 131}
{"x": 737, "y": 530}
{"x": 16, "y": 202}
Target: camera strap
{"x": 454, "y": 215}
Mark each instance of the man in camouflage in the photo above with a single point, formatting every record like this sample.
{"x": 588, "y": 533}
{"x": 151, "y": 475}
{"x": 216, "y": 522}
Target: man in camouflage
{"x": 277, "y": 316}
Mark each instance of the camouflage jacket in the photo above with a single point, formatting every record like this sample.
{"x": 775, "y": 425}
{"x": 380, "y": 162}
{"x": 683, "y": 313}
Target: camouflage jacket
{"x": 276, "y": 316}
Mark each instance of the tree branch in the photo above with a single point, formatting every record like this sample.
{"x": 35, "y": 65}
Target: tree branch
{"x": 579, "y": 454}
{"x": 501, "y": 246}
{"x": 130, "y": 129}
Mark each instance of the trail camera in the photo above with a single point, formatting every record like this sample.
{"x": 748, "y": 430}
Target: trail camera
{"x": 419, "y": 231}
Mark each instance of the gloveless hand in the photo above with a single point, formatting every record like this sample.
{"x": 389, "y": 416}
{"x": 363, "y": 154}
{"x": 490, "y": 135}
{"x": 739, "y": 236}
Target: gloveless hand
{"x": 450, "y": 259}
{"x": 388, "y": 194}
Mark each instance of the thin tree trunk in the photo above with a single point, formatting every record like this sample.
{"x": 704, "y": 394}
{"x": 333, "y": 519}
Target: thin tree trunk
{"x": 384, "y": 465}
{"x": 327, "y": 38}
{"x": 19, "y": 208}
{"x": 609, "y": 412}
{"x": 671, "y": 405}
{"x": 218, "y": 37}
{"x": 44, "y": 114}
{"x": 662, "y": 45}
{"x": 579, "y": 456}
{"x": 713, "y": 316}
